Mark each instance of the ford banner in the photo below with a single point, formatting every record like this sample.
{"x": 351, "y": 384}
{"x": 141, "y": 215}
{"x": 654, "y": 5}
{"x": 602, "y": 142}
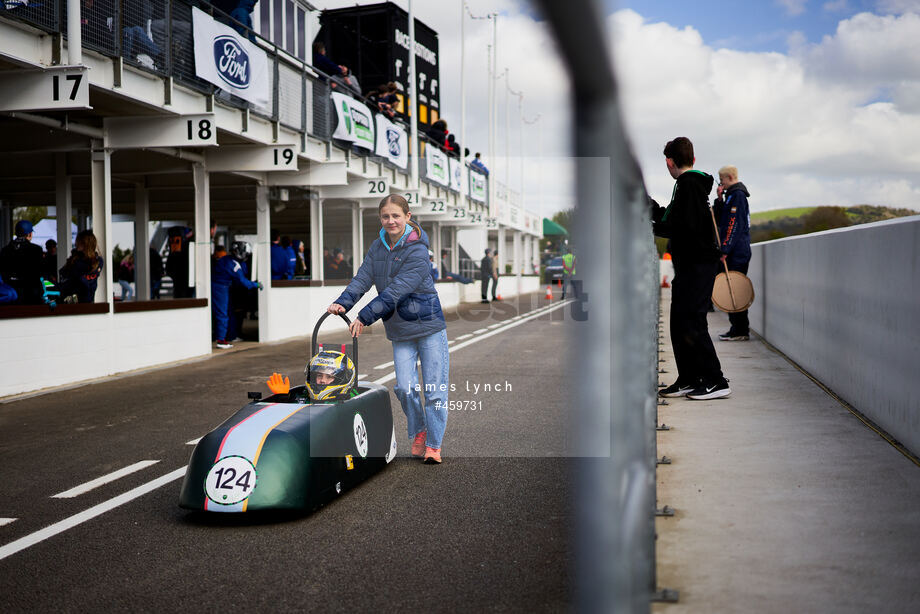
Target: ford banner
{"x": 229, "y": 61}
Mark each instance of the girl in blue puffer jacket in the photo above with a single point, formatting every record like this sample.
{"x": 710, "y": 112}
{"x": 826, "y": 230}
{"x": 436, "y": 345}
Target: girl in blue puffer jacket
{"x": 397, "y": 265}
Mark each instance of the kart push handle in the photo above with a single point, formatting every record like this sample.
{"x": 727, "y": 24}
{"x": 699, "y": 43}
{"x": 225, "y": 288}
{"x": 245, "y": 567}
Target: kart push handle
{"x": 354, "y": 340}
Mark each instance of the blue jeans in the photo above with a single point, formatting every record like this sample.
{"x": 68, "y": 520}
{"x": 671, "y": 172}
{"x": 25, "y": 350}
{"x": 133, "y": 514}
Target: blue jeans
{"x": 433, "y": 353}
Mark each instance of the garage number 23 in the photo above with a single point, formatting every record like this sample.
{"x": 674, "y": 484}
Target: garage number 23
{"x": 231, "y": 480}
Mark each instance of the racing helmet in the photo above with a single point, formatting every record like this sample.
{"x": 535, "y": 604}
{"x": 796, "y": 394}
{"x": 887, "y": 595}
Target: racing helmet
{"x": 239, "y": 249}
{"x": 340, "y": 367}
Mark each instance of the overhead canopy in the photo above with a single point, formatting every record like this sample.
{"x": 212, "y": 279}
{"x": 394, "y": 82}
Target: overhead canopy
{"x": 551, "y": 228}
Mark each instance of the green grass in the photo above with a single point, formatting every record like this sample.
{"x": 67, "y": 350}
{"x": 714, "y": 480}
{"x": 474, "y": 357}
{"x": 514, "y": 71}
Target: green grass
{"x": 794, "y": 212}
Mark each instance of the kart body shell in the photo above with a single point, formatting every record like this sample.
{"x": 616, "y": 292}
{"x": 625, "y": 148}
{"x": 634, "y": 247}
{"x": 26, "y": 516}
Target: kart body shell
{"x": 278, "y": 453}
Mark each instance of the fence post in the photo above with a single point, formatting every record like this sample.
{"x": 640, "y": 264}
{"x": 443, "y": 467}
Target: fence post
{"x": 615, "y": 487}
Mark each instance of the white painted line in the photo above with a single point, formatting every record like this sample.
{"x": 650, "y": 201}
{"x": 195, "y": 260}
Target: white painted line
{"x": 193, "y": 442}
{"x": 462, "y": 337}
{"x": 535, "y": 314}
{"x": 68, "y": 523}
{"x": 384, "y": 365}
{"x": 111, "y": 477}
{"x": 4, "y": 521}
{"x": 496, "y": 325}
{"x": 362, "y": 376}
{"x": 451, "y": 341}
{"x": 481, "y": 330}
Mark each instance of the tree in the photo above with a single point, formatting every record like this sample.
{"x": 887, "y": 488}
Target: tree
{"x": 825, "y": 218}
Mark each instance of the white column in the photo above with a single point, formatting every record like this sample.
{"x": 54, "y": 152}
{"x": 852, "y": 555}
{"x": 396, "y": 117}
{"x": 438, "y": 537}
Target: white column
{"x": 518, "y": 259}
{"x": 142, "y": 242}
{"x": 436, "y": 246}
{"x": 357, "y": 236}
{"x": 202, "y": 185}
{"x": 455, "y": 251}
{"x": 316, "y": 239}
{"x": 64, "y": 206}
{"x": 263, "y": 260}
{"x": 101, "y": 180}
{"x": 74, "y": 33}
{"x": 502, "y": 256}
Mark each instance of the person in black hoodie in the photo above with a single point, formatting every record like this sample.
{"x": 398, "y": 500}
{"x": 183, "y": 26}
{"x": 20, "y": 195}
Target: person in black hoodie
{"x": 734, "y": 218}
{"x": 687, "y": 222}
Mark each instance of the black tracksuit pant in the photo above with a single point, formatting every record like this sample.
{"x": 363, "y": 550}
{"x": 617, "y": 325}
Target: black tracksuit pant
{"x": 694, "y": 353}
{"x": 740, "y": 324}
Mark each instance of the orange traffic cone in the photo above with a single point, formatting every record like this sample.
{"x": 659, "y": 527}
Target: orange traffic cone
{"x": 549, "y": 293}
{"x": 498, "y": 297}
{"x": 664, "y": 282}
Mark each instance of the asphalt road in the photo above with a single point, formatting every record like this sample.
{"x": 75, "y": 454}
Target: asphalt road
{"x": 487, "y": 529}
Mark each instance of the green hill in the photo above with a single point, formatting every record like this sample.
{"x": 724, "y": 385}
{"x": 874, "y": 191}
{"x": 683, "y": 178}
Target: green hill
{"x": 779, "y": 223}
{"x": 773, "y": 214}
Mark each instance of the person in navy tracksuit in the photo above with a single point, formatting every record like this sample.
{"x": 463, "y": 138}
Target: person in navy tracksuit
{"x": 227, "y": 272}
{"x": 734, "y": 220}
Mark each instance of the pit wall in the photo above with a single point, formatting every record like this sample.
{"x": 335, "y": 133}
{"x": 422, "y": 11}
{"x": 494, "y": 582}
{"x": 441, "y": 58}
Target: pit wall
{"x": 53, "y": 351}
{"x": 294, "y": 311}
{"x": 845, "y": 305}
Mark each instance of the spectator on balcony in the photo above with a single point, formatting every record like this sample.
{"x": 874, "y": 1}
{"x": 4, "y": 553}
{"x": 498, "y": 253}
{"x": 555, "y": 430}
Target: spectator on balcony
{"x": 390, "y": 97}
{"x": 137, "y": 36}
{"x": 242, "y": 16}
{"x": 437, "y": 133}
{"x": 321, "y": 61}
{"x": 80, "y": 275}
{"x": 380, "y": 99}
{"x": 478, "y": 165}
{"x": 21, "y": 263}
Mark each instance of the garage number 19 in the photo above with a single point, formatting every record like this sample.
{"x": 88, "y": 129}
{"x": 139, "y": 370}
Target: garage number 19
{"x": 231, "y": 480}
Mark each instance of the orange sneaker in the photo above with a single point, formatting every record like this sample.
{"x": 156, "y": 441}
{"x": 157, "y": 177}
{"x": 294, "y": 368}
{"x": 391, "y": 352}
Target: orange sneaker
{"x": 432, "y": 455}
{"x": 418, "y": 444}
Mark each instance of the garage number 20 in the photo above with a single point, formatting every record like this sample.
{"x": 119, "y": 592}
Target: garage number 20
{"x": 230, "y": 480}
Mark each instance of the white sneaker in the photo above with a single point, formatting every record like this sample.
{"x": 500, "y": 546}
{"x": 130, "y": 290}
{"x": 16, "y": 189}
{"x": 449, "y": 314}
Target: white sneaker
{"x": 224, "y": 345}
{"x": 146, "y": 61}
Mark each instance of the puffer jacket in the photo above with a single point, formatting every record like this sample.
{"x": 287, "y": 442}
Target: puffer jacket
{"x": 406, "y": 297}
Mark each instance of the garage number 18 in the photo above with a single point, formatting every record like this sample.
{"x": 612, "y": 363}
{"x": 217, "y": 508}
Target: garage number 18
{"x": 231, "y": 480}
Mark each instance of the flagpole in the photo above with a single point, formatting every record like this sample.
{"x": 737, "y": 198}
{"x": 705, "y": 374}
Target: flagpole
{"x": 413, "y": 103}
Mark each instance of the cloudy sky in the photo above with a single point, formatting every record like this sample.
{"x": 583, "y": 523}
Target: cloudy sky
{"x": 816, "y": 102}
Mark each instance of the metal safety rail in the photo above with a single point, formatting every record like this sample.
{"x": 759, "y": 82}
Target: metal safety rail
{"x": 617, "y": 405}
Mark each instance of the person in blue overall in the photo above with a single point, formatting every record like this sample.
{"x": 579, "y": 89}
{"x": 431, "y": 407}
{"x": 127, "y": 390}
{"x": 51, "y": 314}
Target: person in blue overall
{"x": 397, "y": 265}
{"x": 227, "y": 272}
{"x": 279, "y": 257}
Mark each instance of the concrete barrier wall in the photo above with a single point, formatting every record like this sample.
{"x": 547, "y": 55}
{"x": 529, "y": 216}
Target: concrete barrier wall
{"x": 845, "y": 305}
{"x": 53, "y": 351}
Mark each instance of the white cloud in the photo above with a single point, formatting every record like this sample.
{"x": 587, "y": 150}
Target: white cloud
{"x": 793, "y": 7}
{"x": 803, "y": 127}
